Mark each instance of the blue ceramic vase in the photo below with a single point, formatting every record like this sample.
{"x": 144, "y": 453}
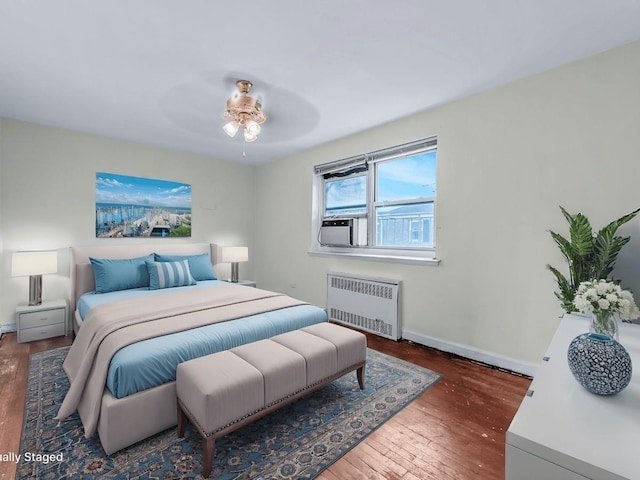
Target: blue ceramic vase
{"x": 599, "y": 363}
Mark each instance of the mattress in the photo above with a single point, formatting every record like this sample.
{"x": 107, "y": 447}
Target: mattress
{"x": 153, "y": 362}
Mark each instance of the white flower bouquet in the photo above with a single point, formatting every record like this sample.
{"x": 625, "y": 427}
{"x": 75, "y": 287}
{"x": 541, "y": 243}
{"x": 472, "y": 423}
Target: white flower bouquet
{"x": 604, "y": 298}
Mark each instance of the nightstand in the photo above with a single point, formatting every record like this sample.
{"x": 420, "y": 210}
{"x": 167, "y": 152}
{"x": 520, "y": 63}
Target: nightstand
{"x": 49, "y": 319}
{"x": 246, "y": 283}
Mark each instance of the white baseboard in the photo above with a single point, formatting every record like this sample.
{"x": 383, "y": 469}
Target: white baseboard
{"x": 8, "y": 327}
{"x": 472, "y": 353}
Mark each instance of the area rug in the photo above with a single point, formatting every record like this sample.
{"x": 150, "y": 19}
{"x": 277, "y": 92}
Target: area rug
{"x": 296, "y": 442}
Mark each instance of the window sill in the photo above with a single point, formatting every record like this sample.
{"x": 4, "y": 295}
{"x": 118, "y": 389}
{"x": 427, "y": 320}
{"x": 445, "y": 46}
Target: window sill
{"x": 408, "y": 260}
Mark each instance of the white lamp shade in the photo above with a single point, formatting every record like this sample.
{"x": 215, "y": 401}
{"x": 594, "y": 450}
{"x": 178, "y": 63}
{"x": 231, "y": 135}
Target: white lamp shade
{"x": 231, "y": 128}
{"x": 252, "y": 128}
{"x": 249, "y": 137}
{"x": 234, "y": 254}
{"x": 24, "y": 264}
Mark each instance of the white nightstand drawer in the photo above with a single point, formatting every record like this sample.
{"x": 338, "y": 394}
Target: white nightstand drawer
{"x": 44, "y": 331}
{"x": 42, "y": 318}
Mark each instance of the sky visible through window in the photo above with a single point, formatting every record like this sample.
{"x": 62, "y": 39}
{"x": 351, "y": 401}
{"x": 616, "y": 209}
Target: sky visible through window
{"x": 346, "y": 195}
{"x": 405, "y": 178}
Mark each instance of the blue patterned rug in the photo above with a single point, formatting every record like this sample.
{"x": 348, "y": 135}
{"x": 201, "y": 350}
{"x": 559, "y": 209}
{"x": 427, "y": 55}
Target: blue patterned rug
{"x": 298, "y": 441}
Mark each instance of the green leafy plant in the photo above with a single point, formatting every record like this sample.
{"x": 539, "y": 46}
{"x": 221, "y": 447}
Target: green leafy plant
{"x": 590, "y": 256}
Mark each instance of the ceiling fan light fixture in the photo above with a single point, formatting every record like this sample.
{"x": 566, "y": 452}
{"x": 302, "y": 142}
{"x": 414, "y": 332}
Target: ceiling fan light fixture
{"x": 248, "y": 137}
{"x": 231, "y": 128}
{"x": 244, "y": 111}
{"x": 252, "y": 127}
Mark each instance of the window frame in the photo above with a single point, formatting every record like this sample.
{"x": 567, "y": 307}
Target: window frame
{"x": 367, "y": 164}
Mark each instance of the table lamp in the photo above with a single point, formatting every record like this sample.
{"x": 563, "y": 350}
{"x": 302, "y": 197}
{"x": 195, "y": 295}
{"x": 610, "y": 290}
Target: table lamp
{"x": 34, "y": 265}
{"x": 234, "y": 255}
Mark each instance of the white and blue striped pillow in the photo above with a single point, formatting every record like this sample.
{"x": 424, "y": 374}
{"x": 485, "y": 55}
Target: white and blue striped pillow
{"x": 169, "y": 274}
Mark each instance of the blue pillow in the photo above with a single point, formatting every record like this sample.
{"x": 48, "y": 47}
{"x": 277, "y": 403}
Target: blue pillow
{"x": 200, "y": 265}
{"x": 120, "y": 274}
{"x": 169, "y": 274}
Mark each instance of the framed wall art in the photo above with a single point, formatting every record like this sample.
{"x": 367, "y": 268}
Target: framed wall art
{"x": 141, "y": 207}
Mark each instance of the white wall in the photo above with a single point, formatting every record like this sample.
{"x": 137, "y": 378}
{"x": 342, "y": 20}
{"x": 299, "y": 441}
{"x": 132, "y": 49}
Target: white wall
{"x": 47, "y": 198}
{"x": 506, "y": 159}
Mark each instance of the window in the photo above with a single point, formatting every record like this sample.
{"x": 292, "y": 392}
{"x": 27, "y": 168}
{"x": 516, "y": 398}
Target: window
{"x": 387, "y": 198}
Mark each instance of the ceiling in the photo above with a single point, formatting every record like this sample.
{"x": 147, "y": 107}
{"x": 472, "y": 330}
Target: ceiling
{"x": 159, "y": 72}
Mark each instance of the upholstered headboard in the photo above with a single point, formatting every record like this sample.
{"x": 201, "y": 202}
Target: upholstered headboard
{"x": 81, "y": 271}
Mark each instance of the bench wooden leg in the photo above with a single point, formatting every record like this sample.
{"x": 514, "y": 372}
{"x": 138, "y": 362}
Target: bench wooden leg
{"x": 360, "y": 373}
{"x": 182, "y": 421}
{"x": 208, "y": 449}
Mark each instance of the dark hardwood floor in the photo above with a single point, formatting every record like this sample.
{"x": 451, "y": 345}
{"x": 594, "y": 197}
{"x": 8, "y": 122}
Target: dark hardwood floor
{"x": 455, "y": 430}
{"x": 14, "y": 369}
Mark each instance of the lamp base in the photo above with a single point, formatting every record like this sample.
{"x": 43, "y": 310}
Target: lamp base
{"x": 35, "y": 290}
{"x": 234, "y": 272}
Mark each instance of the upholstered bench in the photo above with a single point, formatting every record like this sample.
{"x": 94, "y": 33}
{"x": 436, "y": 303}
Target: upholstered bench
{"x": 224, "y": 391}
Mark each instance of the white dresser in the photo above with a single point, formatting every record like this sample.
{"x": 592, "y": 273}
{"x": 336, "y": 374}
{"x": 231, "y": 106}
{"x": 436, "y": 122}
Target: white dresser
{"x": 563, "y": 432}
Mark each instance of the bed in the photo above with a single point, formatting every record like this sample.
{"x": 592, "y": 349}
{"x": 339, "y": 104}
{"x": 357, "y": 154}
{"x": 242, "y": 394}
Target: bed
{"x": 123, "y": 360}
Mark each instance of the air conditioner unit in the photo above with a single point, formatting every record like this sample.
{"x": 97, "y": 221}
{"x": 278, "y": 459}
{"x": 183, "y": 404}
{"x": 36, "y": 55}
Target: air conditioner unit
{"x": 343, "y": 232}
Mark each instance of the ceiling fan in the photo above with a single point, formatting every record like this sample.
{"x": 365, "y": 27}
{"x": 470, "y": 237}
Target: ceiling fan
{"x": 244, "y": 111}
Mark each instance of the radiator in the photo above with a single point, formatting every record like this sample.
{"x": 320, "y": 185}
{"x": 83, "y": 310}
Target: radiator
{"x": 370, "y": 304}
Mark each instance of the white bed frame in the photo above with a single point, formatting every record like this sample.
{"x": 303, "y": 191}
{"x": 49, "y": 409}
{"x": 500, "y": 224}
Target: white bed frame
{"x": 128, "y": 420}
